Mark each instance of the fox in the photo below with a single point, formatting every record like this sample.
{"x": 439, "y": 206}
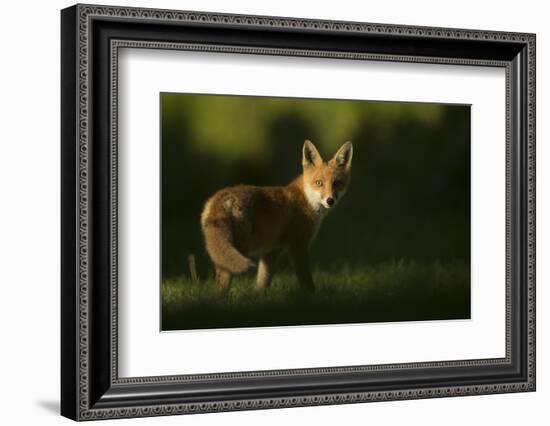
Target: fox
{"x": 244, "y": 223}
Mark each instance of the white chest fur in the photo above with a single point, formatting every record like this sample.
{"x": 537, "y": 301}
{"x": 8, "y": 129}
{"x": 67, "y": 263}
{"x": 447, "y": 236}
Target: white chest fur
{"x": 314, "y": 199}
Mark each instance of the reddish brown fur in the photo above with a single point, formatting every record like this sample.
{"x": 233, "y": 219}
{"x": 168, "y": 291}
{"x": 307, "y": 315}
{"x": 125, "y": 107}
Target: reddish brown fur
{"x": 244, "y": 222}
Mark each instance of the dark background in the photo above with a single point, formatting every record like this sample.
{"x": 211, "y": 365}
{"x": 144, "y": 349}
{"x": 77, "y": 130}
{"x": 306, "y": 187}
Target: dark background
{"x": 409, "y": 196}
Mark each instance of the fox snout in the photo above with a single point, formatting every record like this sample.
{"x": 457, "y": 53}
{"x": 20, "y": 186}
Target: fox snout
{"x": 328, "y": 202}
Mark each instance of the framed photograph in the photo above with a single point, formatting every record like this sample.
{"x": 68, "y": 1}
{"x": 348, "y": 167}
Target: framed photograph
{"x": 263, "y": 212}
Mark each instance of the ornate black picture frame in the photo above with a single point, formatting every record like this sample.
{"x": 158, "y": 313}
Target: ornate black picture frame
{"x": 91, "y": 36}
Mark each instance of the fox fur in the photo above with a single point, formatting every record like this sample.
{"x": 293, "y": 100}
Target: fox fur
{"x": 245, "y": 222}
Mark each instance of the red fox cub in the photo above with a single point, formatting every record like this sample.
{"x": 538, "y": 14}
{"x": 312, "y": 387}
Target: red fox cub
{"x": 245, "y": 222}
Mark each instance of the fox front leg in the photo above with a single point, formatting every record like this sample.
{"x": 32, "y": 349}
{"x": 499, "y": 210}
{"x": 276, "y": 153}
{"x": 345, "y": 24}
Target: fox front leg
{"x": 265, "y": 272}
{"x": 300, "y": 258}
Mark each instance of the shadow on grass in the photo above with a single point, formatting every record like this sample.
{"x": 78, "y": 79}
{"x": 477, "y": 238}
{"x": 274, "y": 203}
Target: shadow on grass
{"x": 396, "y": 291}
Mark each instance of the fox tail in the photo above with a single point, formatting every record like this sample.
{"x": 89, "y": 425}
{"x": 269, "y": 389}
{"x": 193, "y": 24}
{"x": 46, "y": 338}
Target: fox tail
{"x": 219, "y": 245}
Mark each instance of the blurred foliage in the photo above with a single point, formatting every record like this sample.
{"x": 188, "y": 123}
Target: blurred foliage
{"x": 238, "y": 128}
{"x": 410, "y": 190}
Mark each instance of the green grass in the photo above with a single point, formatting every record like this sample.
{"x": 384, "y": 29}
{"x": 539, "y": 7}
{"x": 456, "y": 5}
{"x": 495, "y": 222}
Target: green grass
{"x": 394, "y": 291}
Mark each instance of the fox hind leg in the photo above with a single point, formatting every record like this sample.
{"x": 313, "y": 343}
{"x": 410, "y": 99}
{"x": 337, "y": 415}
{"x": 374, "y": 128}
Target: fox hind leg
{"x": 223, "y": 279}
{"x": 265, "y": 272}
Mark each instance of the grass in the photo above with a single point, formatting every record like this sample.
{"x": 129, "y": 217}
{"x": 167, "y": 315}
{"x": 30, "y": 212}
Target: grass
{"x": 394, "y": 291}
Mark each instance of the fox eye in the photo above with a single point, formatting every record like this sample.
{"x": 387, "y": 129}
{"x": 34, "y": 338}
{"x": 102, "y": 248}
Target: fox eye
{"x": 337, "y": 184}
{"x": 319, "y": 182}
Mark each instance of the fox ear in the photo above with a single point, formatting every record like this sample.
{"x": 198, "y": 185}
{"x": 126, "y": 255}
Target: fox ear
{"x": 310, "y": 155}
{"x": 342, "y": 158}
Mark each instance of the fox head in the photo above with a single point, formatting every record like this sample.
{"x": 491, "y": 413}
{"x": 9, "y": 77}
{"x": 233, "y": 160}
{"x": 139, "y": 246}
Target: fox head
{"x": 325, "y": 182}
